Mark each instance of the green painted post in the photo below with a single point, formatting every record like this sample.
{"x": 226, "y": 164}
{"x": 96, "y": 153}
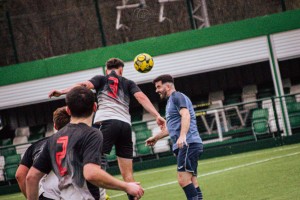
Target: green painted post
{"x": 283, "y": 6}
{"x": 277, "y": 84}
{"x": 190, "y": 11}
{"x": 104, "y": 72}
{"x": 103, "y": 39}
{"x": 12, "y": 37}
{"x": 276, "y": 119}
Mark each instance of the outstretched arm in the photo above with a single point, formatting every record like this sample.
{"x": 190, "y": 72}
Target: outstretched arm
{"x": 57, "y": 93}
{"x": 146, "y": 103}
{"x": 151, "y": 141}
{"x": 95, "y": 175}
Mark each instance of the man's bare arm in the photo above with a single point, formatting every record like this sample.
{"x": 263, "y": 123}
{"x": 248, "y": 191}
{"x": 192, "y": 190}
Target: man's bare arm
{"x": 151, "y": 141}
{"x": 95, "y": 175}
{"x": 57, "y": 93}
{"x": 185, "y": 126}
{"x": 32, "y": 183}
{"x": 146, "y": 103}
{"x": 21, "y": 174}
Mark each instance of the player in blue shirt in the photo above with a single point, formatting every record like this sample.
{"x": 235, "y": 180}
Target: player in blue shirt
{"x": 182, "y": 128}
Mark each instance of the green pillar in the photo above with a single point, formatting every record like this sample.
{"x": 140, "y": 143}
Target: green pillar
{"x": 283, "y": 6}
{"x": 190, "y": 11}
{"x": 12, "y": 37}
{"x": 103, "y": 68}
{"x": 278, "y": 86}
{"x": 103, "y": 38}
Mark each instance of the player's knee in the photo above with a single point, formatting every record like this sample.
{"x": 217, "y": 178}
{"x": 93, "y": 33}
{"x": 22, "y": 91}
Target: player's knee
{"x": 17, "y": 175}
{"x": 183, "y": 182}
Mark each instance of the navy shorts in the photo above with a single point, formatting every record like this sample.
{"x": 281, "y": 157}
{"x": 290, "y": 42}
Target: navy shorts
{"x": 187, "y": 157}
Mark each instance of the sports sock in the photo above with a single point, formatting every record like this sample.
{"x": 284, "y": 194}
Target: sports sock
{"x": 190, "y": 192}
{"x": 200, "y": 197}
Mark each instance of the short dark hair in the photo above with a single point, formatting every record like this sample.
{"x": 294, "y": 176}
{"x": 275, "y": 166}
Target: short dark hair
{"x": 61, "y": 117}
{"x": 165, "y": 78}
{"x": 80, "y": 101}
{"x": 114, "y": 63}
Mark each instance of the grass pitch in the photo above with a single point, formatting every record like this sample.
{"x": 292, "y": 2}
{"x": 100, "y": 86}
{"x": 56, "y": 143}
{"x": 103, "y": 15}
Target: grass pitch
{"x": 265, "y": 174}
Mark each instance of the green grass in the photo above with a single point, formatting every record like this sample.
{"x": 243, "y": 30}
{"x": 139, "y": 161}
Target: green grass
{"x": 265, "y": 174}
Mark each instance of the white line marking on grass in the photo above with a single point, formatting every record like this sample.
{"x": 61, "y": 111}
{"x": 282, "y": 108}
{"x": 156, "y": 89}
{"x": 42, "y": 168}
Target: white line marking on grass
{"x": 204, "y": 162}
{"x": 220, "y": 171}
{"x": 248, "y": 164}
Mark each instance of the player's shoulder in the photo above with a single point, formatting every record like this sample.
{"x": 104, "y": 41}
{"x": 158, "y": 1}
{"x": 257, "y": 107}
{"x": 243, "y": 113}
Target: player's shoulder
{"x": 126, "y": 80}
{"x": 97, "y": 78}
{"x": 180, "y": 97}
{"x": 88, "y": 130}
{"x": 177, "y": 94}
{"x": 95, "y": 131}
{"x": 38, "y": 143}
{"x": 92, "y": 134}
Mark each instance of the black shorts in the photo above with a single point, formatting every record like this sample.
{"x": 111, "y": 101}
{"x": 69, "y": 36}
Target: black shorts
{"x": 118, "y": 133}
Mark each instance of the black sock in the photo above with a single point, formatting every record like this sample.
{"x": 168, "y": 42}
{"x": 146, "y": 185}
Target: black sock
{"x": 130, "y": 197}
{"x": 190, "y": 192}
{"x": 200, "y": 197}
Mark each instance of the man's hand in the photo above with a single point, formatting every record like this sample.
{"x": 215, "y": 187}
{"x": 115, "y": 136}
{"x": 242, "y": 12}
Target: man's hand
{"x": 134, "y": 189}
{"x": 161, "y": 122}
{"x": 55, "y": 93}
{"x": 181, "y": 141}
{"x": 151, "y": 141}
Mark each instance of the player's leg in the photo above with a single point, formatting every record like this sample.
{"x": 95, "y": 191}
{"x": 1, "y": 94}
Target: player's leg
{"x": 110, "y": 134}
{"x": 196, "y": 185}
{"x": 197, "y": 151}
{"x": 124, "y": 152}
{"x": 126, "y": 169}
{"x": 109, "y": 138}
{"x": 185, "y": 181}
{"x": 185, "y": 173}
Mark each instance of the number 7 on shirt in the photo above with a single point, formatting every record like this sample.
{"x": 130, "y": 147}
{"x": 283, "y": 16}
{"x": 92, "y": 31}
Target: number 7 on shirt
{"x": 59, "y": 156}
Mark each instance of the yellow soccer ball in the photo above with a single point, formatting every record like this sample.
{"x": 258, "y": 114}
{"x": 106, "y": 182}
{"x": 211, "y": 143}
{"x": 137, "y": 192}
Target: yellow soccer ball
{"x": 143, "y": 63}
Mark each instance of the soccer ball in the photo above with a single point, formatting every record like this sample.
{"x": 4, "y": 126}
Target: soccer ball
{"x": 143, "y": 63}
